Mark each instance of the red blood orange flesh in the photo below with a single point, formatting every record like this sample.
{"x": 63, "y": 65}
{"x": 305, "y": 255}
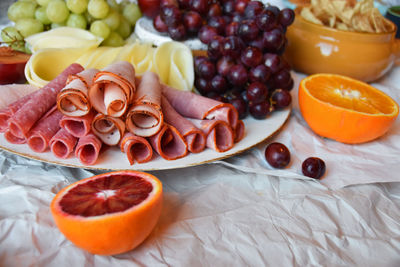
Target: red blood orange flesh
{"x": 110, "y": 213}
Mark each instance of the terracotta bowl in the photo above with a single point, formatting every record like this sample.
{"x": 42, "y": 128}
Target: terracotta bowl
{"x": 314, "y": 48}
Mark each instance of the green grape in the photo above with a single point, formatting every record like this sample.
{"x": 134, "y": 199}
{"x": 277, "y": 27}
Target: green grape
{"x": 99, "y": 28}
{"x": 77, "y": 6}
{"x": 27, "y": 48}
{"x": 98, "y": 8}
{"x": 28, "y": 27}
{"x": 41, "y": 15}
{"x": 76, "y": 21}
{"x": 123, "y": 4}
{"x": 57, "y": 11}
{"x": 10, "y": 34}
{"x": 43, "y": 2}
{"x": 124, "y": 29}
{"x": 21, "y": 10}
{"x": 57, "y": 25}
{"x": 112, "y": 19}
{"x": 132, "y": 13}
{"x": 114, "y": 5}
{"x": 114, "y": 39}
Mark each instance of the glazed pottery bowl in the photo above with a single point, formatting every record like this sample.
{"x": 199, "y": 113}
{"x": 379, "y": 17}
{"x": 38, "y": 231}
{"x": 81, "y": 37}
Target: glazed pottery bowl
{"x": 314, "y": 48}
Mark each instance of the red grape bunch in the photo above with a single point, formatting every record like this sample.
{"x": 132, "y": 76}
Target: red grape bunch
{"x": 245, "y": 42}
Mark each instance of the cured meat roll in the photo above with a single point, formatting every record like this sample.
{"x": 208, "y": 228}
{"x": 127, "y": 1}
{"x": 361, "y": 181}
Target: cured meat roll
{"x": 109, "y": 129}
{"x": 136, "y": 148}
{"x": 11, "y": 109}
{"x": 78, "y": 126}
{"x": 239, "y": 131}
{"x": 13, "y": 139}
{"x": 23, "y": 120}
{"x": 145, "y": 117}
{"x": 169, "y": 143}
{"x": 9, "y": 93}
{"x": 195, "y": 106}
{"x": 73, "y": 99}
{"x": 113, "y": 89}
{"x": 219, "y": 134}
{"x": 44, "y": 130}
{"x": 62, "y": 144}
{"x": 88, "y": 149}
{"x": 194, "y": 137}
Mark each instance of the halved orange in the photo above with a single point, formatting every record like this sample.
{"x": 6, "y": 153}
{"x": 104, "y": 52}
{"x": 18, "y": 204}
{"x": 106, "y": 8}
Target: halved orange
{"x": 109, "y": 213}
{"x": 345, "y": 109}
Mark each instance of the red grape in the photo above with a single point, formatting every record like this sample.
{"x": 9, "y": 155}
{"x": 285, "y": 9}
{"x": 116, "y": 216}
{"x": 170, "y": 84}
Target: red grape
{"x": 177, "y": 33}
{"x": 259, "y": 73}
{"x": 192, "y": 21}
{"x": 251, "y": 56}
{"x": 149, "y": 8}
{"x": 253, "y": 8}
{"x": 232, "y": 46}
{"x": 206, "y": 33}
{"x": 277, "y": 155}
{"x": 159, "y": 24}
{"x": 232, "y": 28}
{"x": 200, "y": 6}
{"x": 214, "y": 50}
{"x": 240, "y": 106}
{"x": 214, "y": 10}
{"x": 313, "y": 167}
{"x": 286, "y": 17}
{"x": 257, "y": 92}
{"x": 241, "y": 5}
{"x": 206, "y": 69}
{"x": 260, "y": 110}
{"x": 248, "y": 30}
{"x": 219, "y": 84}
{"x": 171, "y": 15}
{"x": 280, "y": 98}
{"x": 266, "y": 20}
{"x": 237, "y": 75}
{"x": 224, "y": 65}
{"x": 217, "y": 23}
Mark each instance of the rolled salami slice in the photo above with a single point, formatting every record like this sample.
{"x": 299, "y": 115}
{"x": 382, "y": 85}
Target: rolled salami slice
{"x": 145, "y": 117}
{"x": 113, "y": 89}
{"x": 109, "y": 129}
{"x": 78, "y": 126}
{"x": 11, "y": 109}
{"x": 62, "y": 144}
{"x": 136, "y": 148}
{"x": 13, "y": 139}
{"x": 194, "y": 137}
{"x": 73, "y": 99}
{"x": 219, "y": 134}
{"x": 23, "y": 120}
{"x": 195, "y": 106}
{"x": 88, "y": 149}
{"x": 169, "y": 143}
{"x": 41, "y": 134}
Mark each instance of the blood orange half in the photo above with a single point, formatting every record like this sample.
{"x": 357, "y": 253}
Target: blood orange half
{"x": 109, "y": 213}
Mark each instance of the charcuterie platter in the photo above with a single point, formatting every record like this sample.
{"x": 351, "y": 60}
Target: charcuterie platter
{"x": 112, "y": 158}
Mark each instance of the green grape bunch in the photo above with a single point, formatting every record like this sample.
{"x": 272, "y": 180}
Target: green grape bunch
{"x": 112, "y": 21}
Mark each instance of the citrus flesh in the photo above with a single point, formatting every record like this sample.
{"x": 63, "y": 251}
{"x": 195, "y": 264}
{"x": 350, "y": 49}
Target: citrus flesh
{"x": 110, "y": 213}
{"x": 345, "y": 109}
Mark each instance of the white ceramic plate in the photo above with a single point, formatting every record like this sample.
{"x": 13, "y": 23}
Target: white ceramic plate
{"x": 113, "y": 159}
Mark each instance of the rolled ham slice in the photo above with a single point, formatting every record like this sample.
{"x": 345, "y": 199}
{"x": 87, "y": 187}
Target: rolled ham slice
{"x": 110, "y": 130}
{"x": 136, "y": 148}
{"x": 169, "y": 143}
{"x": 23, "y": 120}
{"x": 113, "y": 89}
{"x": 88, "y": 149}
{"x": 9, "y": 93}
{"x": 78, "y": 126}
{"x": 194, "y": 137}
{"x": 195, "y": 106}
{"x": 239, "y": 131}
{"x": 145, "y": 117}
{"x": 73, "y": 99}
{"x": 62, "y": 144}
{"x": 41, "y": 134}
{"x": 219, "y": 134}
{"x": 11, "y": 109}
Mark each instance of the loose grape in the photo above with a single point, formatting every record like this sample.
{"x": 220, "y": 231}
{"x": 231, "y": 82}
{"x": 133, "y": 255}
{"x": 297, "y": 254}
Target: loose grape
{"x": 43, "y": 2}
{"x": 21, "y": 10}
{"x": 113, "y": 19}
{"x": 277, "y": 155}
{"x": 41, "y": 15}
{"x": 114, "y": 39}
{"x": 11, "y": 34}
{"x": 76, "y": 21}
{"x": 98, "y": 8}
{"x": 313, "y": 167}
{"x": 28, "y": 27}
{"x": 57, "y": 11}
{"x": 100, "y": 29}
{"x": 132, "y": 13}
{"x": 124, "y": 28}
{"x": 77, "y": 6}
